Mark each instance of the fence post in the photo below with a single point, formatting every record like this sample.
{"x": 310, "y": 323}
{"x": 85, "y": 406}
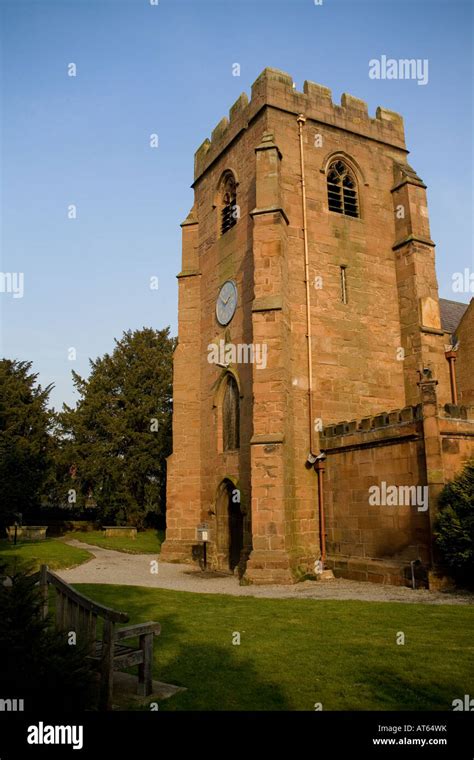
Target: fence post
{"x": 145, "y": 669}
{"x": 107, "y": 666}
{"x": 44, "y": 590}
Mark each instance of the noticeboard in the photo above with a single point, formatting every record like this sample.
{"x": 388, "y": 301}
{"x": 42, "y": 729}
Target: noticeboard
{"x": 202, "y": 532}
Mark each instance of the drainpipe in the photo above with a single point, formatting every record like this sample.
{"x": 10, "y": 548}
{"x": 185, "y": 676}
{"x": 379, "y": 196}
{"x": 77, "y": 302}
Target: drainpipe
{"x": 451, "y": 357}
{"x": 301, "y": 120}
{"x": 319, "y": 467}
{"x": 313, "y": 459}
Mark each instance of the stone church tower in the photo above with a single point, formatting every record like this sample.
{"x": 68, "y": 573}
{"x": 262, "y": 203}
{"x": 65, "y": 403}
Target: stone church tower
{"x": 309, "y": 322}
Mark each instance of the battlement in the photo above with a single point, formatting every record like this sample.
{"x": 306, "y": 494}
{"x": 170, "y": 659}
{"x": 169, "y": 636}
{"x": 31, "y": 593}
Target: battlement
{"x": 457, "y": 412}
{"x": 385, "y": 420}
{"x": 276, "y": 89}
{"x": 408, "y": 414}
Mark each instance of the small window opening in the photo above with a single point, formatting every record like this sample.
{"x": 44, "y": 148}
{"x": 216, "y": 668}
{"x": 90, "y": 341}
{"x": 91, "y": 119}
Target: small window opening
{"x": 343, "y": 285}
{"x": 229, "y": 211}
{"x": 231, "y": 415}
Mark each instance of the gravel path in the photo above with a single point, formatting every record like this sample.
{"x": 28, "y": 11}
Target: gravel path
{"x": 134, "y": 570}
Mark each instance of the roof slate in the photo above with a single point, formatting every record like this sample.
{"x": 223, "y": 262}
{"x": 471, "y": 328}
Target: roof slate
{"x": 451, "y": 314}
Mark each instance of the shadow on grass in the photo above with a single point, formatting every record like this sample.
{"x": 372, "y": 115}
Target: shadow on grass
{"x": 396, "y": 691}
{"x": 295, "y": 653}
{"x": 217, "y": 678}
{"x": 216, "y": 675}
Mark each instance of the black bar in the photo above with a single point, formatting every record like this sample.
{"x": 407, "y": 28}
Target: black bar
{"x": 347, "y": 734}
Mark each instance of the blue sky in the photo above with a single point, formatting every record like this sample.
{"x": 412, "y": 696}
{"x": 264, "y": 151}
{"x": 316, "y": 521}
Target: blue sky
{"x": 167, "y": 69}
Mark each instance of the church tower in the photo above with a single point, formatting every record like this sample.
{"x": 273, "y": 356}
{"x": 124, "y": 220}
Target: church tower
{"x": 307, "y": 296}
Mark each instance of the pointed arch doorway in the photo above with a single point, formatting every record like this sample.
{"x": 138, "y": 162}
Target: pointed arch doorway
{"x": 230, "y": 526}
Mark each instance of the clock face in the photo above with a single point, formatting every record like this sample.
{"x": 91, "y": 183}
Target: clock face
{"x": 226, "y": 302}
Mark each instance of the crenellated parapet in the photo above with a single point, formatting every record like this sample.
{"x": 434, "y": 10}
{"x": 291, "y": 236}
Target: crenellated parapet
{"x": 457, "y": 412}
{"x": 276, "y": 89}
{"x": 371, "y": 429}
{"x": 383, "y": 419}
{"x": 385, "y": 423}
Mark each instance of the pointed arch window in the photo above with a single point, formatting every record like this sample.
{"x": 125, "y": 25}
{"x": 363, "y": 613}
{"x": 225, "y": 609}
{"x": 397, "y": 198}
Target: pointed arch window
{"x": 231, "y": 415}
{"x": 229, "y": 208}
{"x": 342, "y": 190}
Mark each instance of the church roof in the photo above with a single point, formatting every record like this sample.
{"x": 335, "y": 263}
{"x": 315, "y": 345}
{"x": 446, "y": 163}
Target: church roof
{"x": 451, "y": 314}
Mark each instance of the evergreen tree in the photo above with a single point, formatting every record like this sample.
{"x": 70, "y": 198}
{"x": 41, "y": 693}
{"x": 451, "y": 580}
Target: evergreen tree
{"x": 26, "y": 446}
{"x": 454, "y": 531}
{"x": 38, "y": 665}
{"x": 115, "y": 442}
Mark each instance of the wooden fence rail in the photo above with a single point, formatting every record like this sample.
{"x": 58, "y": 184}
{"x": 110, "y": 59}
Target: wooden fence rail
{"x": 76, "y": 612}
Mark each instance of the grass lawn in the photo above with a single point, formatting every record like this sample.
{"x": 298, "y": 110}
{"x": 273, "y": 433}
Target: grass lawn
{"x": 51, "y": 552}
{"x": 295, "y": 653}
{"x": 146, "y": 542}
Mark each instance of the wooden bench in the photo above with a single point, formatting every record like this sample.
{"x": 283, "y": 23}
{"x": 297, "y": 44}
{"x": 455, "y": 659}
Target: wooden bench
{"x": 75, "y": 612}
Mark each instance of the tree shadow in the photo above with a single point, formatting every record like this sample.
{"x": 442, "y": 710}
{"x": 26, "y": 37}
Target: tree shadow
{"x": 215, "y": 677}
{"x": 218, "y": 678}
{"x": 394, "y": 691}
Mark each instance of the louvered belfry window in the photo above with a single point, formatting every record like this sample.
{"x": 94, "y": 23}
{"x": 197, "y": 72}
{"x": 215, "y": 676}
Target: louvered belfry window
{"x": 342, "y": 190}
{"x": 231, "y": 415}
{"x": 229, "y": 203}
